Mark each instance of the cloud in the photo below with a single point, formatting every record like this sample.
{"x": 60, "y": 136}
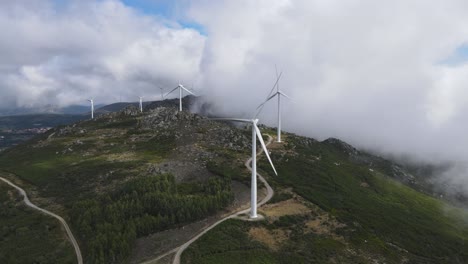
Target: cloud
{"x": 370, "y": 73}
{"x": 104, "y": 49}
{"x": 386, "y": 76}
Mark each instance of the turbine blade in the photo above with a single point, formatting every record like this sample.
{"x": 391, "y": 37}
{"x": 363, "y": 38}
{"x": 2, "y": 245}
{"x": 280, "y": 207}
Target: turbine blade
{"x": 187, "y": 90}
{"x": 232, "y": 119}
{"x": 259, "y": 135}
{"x": 268, "y": 99}
{"x": 278, "y": 77}
{"x": 171, "y": 91}
{"x": 259, "y": 108}
{"x": 283, "y": 94}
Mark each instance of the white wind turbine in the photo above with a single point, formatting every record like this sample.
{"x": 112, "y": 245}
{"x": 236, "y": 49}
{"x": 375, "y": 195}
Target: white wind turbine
{"x": 141, "y": 104}
{"x": 180, "y": 87}
{"x": 278, "y": 93}
{"x": 92, "y": 107}
{"x": 255, "y": 133}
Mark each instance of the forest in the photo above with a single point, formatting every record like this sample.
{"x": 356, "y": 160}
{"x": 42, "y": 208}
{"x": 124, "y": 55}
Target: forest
{"x": 108, "y": 225}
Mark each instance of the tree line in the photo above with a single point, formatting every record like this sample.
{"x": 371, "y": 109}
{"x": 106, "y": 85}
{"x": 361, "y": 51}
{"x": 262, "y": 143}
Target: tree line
{"x": 108, "y": 225}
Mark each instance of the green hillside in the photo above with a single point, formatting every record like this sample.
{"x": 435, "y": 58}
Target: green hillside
{"x": 372, "y": 218}
{"x": 126, "y": 175}
{"x": 26, "y": 236}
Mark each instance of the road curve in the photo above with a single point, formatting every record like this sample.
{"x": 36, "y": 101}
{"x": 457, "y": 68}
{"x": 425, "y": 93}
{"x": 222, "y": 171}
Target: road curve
{"x": 26, "y": 200}
{"x": 269, "y": 195}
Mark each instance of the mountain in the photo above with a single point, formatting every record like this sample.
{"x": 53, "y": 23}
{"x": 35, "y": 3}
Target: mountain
{"x": 134, "y": 186}
{"x": 25, "y": 124}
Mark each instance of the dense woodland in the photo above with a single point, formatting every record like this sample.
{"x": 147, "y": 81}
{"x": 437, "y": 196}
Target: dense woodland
{"x": 110, "y": 224}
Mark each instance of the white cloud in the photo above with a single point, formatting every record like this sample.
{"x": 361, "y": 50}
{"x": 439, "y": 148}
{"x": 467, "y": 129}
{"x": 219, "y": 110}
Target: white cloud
{"x": 102, "y": 49}
{"x": 368, "y": 72}
{"x": 376, "y": 74}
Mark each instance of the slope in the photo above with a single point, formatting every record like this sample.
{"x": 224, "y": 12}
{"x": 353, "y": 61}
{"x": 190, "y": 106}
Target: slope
{"x": 126, "y": 175}
{"x": 330, "y": 207}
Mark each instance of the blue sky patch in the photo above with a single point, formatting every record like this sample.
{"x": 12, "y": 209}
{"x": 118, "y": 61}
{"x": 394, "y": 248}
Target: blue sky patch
{"x": 163, "y": 8}
{"x": 459, "y": 56}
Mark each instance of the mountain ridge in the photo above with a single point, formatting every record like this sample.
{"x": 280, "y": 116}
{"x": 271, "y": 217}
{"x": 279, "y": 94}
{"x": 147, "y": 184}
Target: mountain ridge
{"x": 129, "y": 174}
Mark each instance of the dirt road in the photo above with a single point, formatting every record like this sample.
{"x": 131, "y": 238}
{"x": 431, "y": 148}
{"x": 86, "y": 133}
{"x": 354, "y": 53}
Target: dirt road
{"x": 26, "y": 200}
{"x": 270, "y": 193}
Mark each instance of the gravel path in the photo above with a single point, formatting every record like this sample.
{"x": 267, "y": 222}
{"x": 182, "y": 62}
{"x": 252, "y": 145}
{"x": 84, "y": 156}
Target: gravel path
{"x": 269, "y": 195}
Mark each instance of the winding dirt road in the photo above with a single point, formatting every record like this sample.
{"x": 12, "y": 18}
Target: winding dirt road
{"x": 26, "y": 200}
{"x": 269, "y": 195}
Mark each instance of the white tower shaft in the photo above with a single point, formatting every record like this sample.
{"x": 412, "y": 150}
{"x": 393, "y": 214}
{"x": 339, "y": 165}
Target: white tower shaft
{"x": 180, "y": 99}
{"x": 253, "y": 187}
{"x": 279, "y": 118}
{"x": 141, "y": 105}
{"x": 92, "y": 109}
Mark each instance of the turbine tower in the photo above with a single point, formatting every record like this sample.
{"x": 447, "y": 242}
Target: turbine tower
{"x": 162, "y": 93}
{"x": 92, "y": 107}
{"x": 180, "y": 87}
{"x": 255, "y": 133}
{"x": 278, "y": 93}
{"x": 141, "y": 104}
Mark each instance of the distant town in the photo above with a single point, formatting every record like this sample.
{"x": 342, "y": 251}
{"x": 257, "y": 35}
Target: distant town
{"x": 13, "y": 137}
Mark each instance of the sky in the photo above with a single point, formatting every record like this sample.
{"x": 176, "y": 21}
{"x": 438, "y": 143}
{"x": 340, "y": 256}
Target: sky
{"x": 390, "y": 76}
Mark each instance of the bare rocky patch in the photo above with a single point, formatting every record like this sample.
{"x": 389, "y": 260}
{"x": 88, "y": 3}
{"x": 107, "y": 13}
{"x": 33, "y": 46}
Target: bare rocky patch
{"x": 271, "y": 238}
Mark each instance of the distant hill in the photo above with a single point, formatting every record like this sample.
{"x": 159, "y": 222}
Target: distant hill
{"x": 37, "y": 120}
{"x": 47, "y": 109}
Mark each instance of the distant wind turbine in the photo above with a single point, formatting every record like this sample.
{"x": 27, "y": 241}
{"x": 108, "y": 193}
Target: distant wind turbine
{"x": 162, "y": 92}
{"x": 180, "y": 87}
{"x": 255, "y": 133}
{"x": 278, "y": 93}
{"x": 141, "y": 104}
{"x": 92, "y": 107}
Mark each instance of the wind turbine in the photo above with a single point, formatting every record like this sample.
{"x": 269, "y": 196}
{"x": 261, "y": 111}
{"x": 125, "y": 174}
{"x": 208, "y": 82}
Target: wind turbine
{"x": 180, "y": 87}
{"x": 255, "y": 133}
{"x": 162, "y": 92}
{"x": 278, "y": 93}
{"x": 92, "y": 107}
{"x": 141, "y": 104}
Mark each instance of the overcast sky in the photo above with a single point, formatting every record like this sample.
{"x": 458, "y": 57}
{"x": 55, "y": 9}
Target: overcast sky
{"x": 387, "y": 75}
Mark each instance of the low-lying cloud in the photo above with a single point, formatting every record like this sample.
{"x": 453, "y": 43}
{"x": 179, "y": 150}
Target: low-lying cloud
{"x": 388, "y": 76}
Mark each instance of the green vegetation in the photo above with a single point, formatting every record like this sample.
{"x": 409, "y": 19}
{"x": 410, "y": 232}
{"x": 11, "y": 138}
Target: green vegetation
{"x": 381, "y": 211}
{"x": 106, "y": 175}
{"x": 110, "y": 178}
{"x": 27, "y": 236}
{"x": 109, "y": 224}
{"x": 382, "y": 219}
{"x": 238, "y": 247}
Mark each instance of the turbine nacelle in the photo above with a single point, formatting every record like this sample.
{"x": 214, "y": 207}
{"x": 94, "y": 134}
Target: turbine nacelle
{"x": 181, "y": 89}
{"x": 272, "y": 95}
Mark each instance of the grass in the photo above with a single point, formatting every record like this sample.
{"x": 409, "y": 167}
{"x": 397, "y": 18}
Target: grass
{"x": 65, "y": 169}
